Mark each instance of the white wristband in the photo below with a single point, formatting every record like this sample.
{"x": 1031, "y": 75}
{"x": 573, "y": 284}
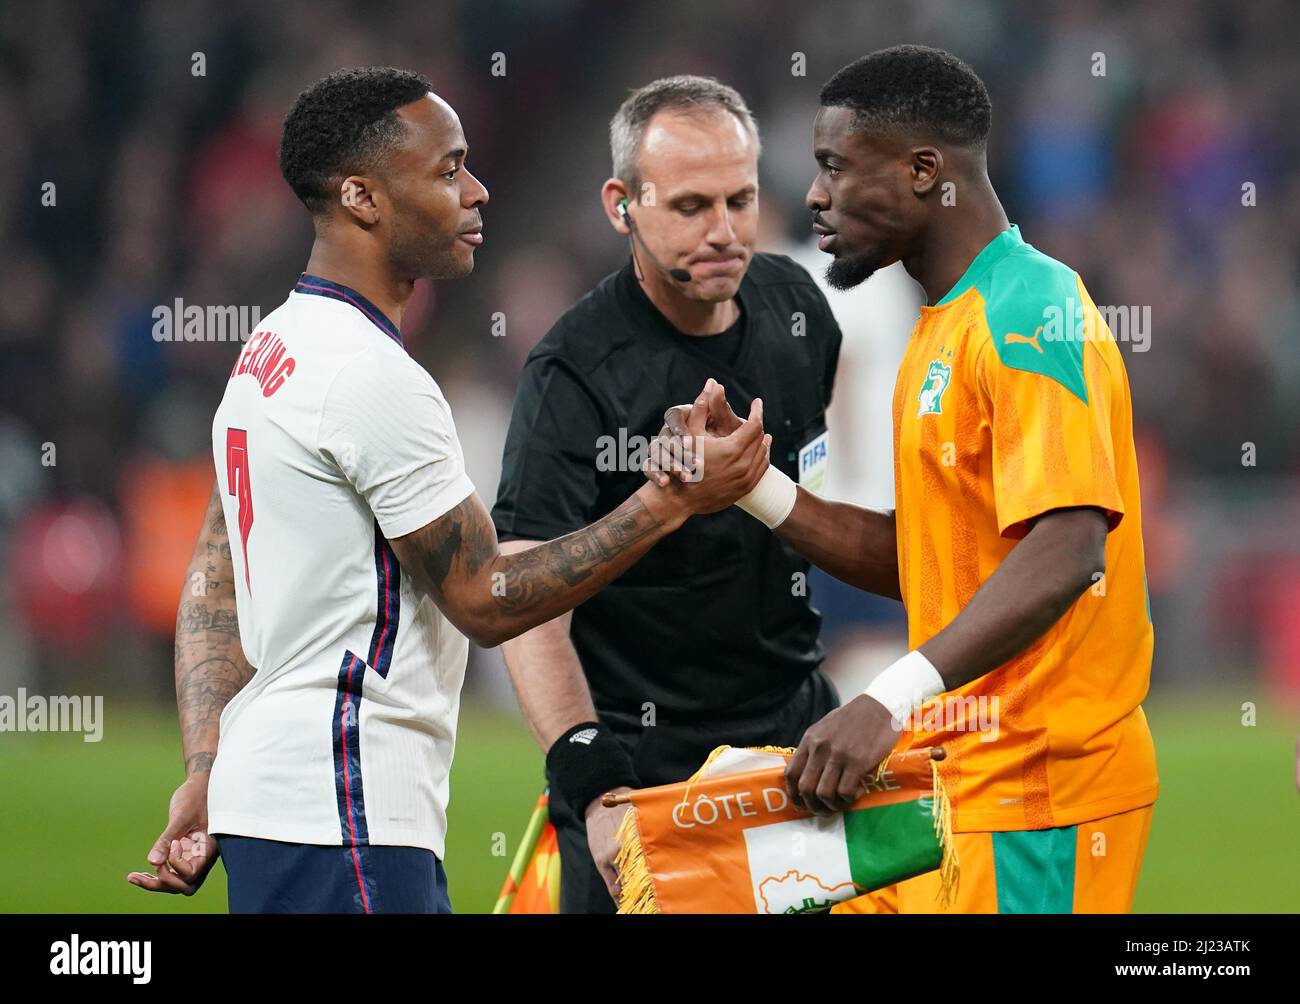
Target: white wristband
{"x": 906, "y": 685}
{"x": 772, "y": 499}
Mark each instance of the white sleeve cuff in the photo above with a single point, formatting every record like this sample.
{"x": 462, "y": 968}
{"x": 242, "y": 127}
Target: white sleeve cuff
{"x": 432, "y": 505}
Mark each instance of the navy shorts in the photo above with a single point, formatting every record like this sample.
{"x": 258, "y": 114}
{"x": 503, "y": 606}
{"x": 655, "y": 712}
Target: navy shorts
{"x": 270, "y": 876}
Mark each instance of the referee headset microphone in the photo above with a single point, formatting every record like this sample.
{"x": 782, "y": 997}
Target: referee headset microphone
{"x": 677, "y": 274}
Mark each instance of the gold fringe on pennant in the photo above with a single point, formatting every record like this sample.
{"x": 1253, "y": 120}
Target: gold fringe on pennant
{"x": 637, "y": 890}
{"x": 949, "y": 865}
{"x": 941, "y": 809}
{"x": 636, "y": 887}
{"x": 718, "y": 751}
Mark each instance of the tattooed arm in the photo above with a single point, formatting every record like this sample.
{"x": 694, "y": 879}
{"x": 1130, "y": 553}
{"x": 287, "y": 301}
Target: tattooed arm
{"x": 210, "y": 664}
{"x": 210, "y": 670}
{"x": 493, "y": 597}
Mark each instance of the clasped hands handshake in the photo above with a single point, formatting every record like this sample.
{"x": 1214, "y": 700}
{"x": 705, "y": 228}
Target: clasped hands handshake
{"x": 708, "y": 444}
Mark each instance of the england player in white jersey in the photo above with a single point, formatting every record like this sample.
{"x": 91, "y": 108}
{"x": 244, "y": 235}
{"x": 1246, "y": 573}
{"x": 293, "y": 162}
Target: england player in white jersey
{"x": 335, "y": 440}
{"x": 319, "y": 671}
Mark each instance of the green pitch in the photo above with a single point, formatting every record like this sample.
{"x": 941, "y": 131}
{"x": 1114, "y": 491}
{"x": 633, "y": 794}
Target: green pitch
{"x": 78, "y": 816}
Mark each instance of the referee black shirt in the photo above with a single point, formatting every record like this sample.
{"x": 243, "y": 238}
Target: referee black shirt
{"x": 715, "y": 622}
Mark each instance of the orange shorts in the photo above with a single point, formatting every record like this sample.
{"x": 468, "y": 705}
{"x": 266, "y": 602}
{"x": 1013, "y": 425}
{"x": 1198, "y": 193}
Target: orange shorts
{"x": 1086, "y": 868}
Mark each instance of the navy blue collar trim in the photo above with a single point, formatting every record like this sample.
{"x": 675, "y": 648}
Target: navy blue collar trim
{"x": 314, "y": 285}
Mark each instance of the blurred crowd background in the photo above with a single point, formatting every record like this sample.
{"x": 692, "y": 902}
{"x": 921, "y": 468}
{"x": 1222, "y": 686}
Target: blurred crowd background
{"x": 1169, "y": 180}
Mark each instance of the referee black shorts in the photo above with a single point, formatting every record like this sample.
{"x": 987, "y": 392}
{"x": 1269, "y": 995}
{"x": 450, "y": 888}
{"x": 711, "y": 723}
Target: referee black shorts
{"x": 271, "y": 876}
{"x": 668, "y": 753}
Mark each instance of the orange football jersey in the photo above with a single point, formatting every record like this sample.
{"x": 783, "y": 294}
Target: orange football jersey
{"x": 1012, "y": 400}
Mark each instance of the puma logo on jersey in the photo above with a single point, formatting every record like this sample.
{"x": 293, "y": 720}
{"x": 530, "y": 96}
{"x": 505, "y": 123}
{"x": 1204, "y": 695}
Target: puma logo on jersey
{"x": 1013, "y": 338}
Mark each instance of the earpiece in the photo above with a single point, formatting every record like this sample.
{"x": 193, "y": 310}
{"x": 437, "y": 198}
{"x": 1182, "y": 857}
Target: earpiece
{"x": 676, "y": 274}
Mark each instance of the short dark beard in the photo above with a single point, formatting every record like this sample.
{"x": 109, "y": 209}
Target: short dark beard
{"x": 415, "y": 257}
{"x": 418, "y": 250}
{"x": 853, "y": 270}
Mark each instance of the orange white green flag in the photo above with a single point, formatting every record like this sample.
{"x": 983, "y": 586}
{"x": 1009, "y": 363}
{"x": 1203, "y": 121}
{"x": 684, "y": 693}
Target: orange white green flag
{"x": 728, "y": 840}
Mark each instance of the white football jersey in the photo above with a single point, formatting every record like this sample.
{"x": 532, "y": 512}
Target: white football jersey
{"x": 330, "y": 440}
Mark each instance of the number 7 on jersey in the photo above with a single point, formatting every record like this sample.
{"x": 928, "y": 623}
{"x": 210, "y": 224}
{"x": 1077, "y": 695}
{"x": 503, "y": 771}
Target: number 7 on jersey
{"x": 238, "y": 486}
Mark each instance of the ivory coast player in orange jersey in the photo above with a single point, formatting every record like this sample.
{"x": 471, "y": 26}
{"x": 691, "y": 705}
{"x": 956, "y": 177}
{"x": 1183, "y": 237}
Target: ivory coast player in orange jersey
{"x": 1016, "y": 541}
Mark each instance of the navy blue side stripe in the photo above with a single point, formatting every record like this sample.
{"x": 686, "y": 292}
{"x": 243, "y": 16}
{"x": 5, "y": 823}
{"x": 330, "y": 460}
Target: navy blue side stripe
{"x": 347, "y": 772}
{"x": 347, "y": 752}
{"x": 348, "y": 790}
{"x": 389, "y": 605}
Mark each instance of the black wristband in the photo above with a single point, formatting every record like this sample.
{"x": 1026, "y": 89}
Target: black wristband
{"x": 588, "y": 761}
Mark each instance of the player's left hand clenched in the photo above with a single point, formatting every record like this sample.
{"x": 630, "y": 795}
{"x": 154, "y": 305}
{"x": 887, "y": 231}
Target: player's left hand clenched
{"x": 838, "y": 754}
{"x": 184, "y": 852}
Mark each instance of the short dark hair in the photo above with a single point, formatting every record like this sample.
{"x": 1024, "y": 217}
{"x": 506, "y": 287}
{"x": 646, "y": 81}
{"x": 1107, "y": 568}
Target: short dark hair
{"x": 345, "y": 123}
{"x": 914, "y": 88}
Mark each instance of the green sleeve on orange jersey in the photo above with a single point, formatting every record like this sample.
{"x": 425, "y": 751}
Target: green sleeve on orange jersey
{"x": 1032, "y": 307}
{"x": 1047, "y": 394}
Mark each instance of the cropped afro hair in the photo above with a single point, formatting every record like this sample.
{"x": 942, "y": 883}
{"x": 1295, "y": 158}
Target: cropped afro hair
{"x": 344, "y": 124}
{"x": 914, "y": 89}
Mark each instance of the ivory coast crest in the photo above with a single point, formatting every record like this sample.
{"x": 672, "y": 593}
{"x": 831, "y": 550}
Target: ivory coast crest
{"x": 930, "y": 400}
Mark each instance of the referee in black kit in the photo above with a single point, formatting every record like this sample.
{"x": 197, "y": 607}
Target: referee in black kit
{"x": 712, "y": 637}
